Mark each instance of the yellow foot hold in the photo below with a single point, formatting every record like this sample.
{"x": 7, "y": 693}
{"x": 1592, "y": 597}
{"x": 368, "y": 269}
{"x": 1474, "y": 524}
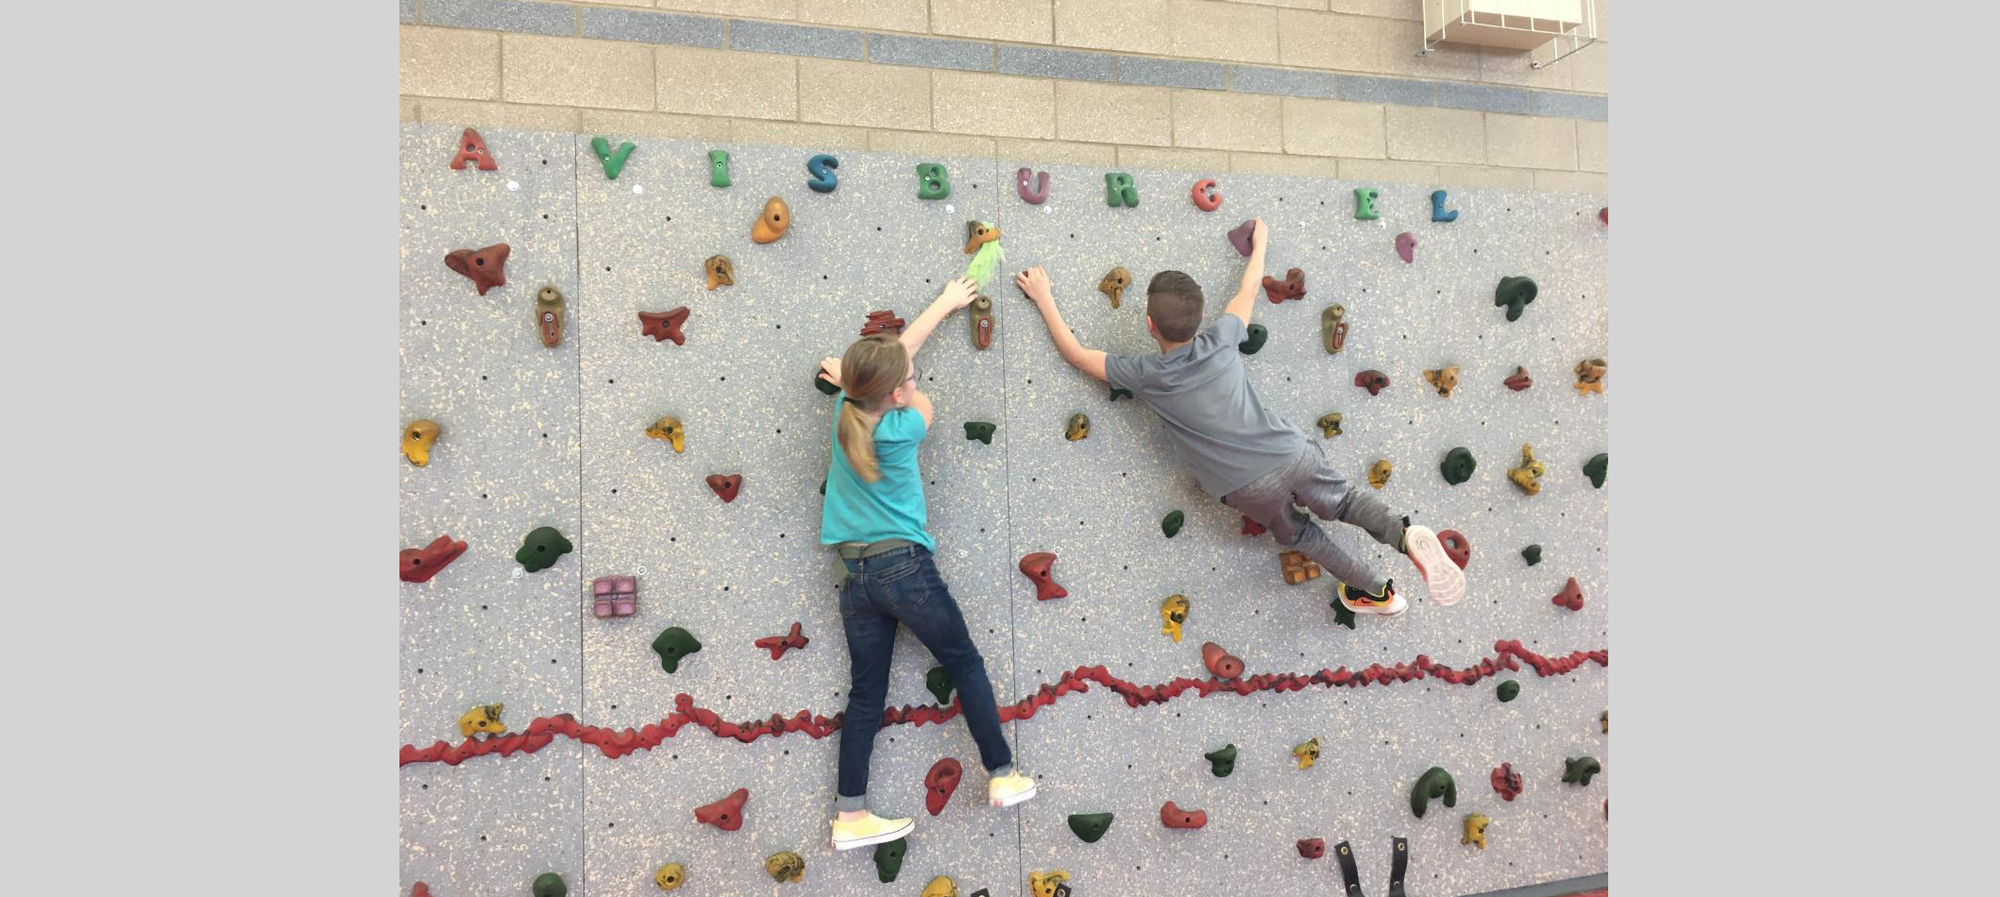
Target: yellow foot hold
{"x": 1173, "y": 612}
{"x": 1043, "y": 884}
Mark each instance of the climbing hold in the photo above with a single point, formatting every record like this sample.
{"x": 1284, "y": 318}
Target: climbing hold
{"x": 720, "y": 272}
{"x": 1307, "y": 753}
{"x": 1458, "y": 465}
{"x": 727, "y": 813}
{"x": 938, "y": 682}
{"x": 980, "y": 313}
{"x": 1506, "y": 781}
{"x": 482, "y": 720}
{"x": 1372, "y": 380}
{"x": 941, "y": 781}
{"x": 979, "y": 233}
{"x": 1173, "y": 613}
{"x": 889, "y": 859}
{"x": 1532, "y": 554}
{"x": 718, "y": 168}
{"x": 1292, "y": 287}
{"x": 1296, "y": 568}
{"x": 670, "y": 876}
{"x": 980, "y": 430}
{"x": 1173, "y": 816}
{"x": 1312, "y": 848}
{"x": 933, "y": 182}
{"x": 1329, "y": 424}
{"x": 673, "y": 645}
{"x": 1597, "y": 468}
{"x": 1118, "y": 190}
{"x": 1438, "y": 212}
{"x": 1456, "y": 546}
{"x": 664, "y": 325}
{"x": 549, "y": 884}
{"x": 1254, "y": 341}
{"x": 941, "y": 886}
{"x": 1089, "y": 826}
{"x": 613, "y": 161}
{"x": 1114, "y": 284}
{"x": 420, "y": 564}
{"x": 486, "y": 268}
{"x": 1364, "y": 203}
{"x": 1508, "y": 690}
{"x": 824, "y": 385}
{"x": 1222, "y": 663}
{"x": 1243, "y": 236}
{"x": 1434, "y": 783}
{"x": 1079, "y": 427}
{"x": 1222, "y": 761}
{"x": 1520, "y": 380}
{"x": 882, "y": 321}
{"x": 1571, "y": 596}
{"x": 1578, "y": 770}
{"x": 549, "y": 314}
{"x": 1031, "y": 195}
{"x": 1333, "y": 330}
{"x": 1604, "y": 719}
{"x": 1205, "y": 197}
{"x": 772, "y": 224}
{"x": 1604, "y": 216}
{"x": 779, "y": 644}
{"x": 1036, "y": 567}
{"x": 417, "y": 439}
{"x": 1252, "y": 527}
{"x": 472, "y": 148}
{"x": 1444, "y": 379}
{"x": 785, "y": 866}
{"x": 725, "y": 486}
{"x": 1378, "y": 473}
{"x": 1589, "y": 373}
{"x": 540, "y": 549}
{"x": 614, "y": 596}
{"x": 1116, "y": 392}
{"x": 823, "y": 179}
{"x": 1171, "y": 524}
{"x": 1514, "y": 294}
{"x": 1528, "y": 476}
{"x": 1045, "y": 884}
{"x": 1475, "y": 830}
{"x": 669, "y": 428}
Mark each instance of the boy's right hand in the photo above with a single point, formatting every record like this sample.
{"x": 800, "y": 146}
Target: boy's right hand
{"x": 1034, "y": 284}
{"x": 1260, "y": 237}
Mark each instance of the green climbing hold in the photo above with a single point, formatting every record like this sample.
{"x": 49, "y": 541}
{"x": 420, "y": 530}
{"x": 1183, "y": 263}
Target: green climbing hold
{"x": 1171, "y": 524}
{"x": 980, "y": 430}
{"x": 825, "y": 386}
{"x": 1578, "y": 770}
{"x": 936, "y": 182}
{"x": 1341, "y": 615}
{"x": 673, "y": 646}
{"x": 1089, "y": 826}
{"x": 1595, "y": 468}
{"x": 889, "y": 859}
{"x": 1514, "y": 294}
{"x": 1458, "y": 465}
{"x": 614, "y": 162}
{"x": 1116, "y": 392}
{"x": 938, "y": 680}
{"x": 1222, "y": 762}
{"x": 1508, "y": 690}
{"x": 718, "y": 168}
{"x": 1434, "y": 783}
{"x": 1532, "y": 554}
{"x": 1364, "y": 209}
{"x": 541, "y": 548}
{"x": 1118, "y": 190}
{"x": 1254, "y": 341}
{"x": 822, "y": 486}
{"x": 549, "y": 884}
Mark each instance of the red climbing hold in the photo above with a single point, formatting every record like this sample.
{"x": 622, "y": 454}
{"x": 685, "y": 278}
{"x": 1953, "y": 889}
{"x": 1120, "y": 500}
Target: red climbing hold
{"x": 1571, "y": 596}
{"x": 1205, "y": 197}
{"x": 725, "y": 814}
{"x": 664, "y": 325}
{"x": 1312, "y": 848}
{"x": 940, "y": 782}
{"x": 1456, "y": 546}
{"x": 1506, "y": 781}
{"x": 882, "y": 322}
{"x": 726, "y": 487}
{"x": 472, "y": 148}
{"x": 1222, "y": 663}
{"x": 1036, "y": 566}
{"x": 424, "y": 890}
{"x": 1293, "y": 287}
{"x": 420, "y": 564}
{"x": 487, "y": 267}
{"x": 777, "y": 644}
{"x": 1174, "y": 817}
{"x": 1520, "y": 380}
{"x": 1372, "y": 380}
{"x": 1252, "y": 527}
{"x": 1604, "y": 216}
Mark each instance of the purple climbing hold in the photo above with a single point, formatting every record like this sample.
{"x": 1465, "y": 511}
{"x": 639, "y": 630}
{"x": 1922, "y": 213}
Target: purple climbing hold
{"x": 1040, "y": 192}
{"x": 1240, "y": 237}
{"x": 1406, "y": 246}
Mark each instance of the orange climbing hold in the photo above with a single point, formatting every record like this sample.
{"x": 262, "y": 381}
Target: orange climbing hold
{"x": 1571, "y": 596}
{"x": 779, "y": 644}
{"x": 725, "y": 814}
{"x": 1297, "y": 568}
{"x": 1173, "y": 816}
{"x": 486, "y": 268}
{"x": 472, "y": 148}
{"x": 664, "y": 325}
{"x": 771, "y": 225}
{"x": 1036, "y": 567}
{"x": 1222, "y": 663}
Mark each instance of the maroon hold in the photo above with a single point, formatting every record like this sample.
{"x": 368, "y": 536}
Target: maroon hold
{"x": 1312, "y": 848}
{"x": 779, "y": 644}
{"x": 1174, "y": 817}
{"x": 664, "y": 325}
{"x": 725, "y": 814}
{"x": 420, "y": 564}
{"x": 1253, "y": 528}
{"x": 882, "y": 322}
{"x": 472, "y": 148}
{"x": 1292, "y": 287}
{"x": 1036, "y": 567}
{"x": 1372, "y": 380}
{"x": 725, "y": 486}
{"x": 1604, "y": 216}
{"x": 1456, "y": 547}
{"x": 940, "y": 782}
{"x": 1506, "y": 781}
{"x": 486, "y": 267}
{"x": 1406, "y": 246}
{"x": 1520, "y": 380}
{"x": 1571, "y": 596}
{"x": 1240, "y": 237}
{"x": 1222, "y": 663}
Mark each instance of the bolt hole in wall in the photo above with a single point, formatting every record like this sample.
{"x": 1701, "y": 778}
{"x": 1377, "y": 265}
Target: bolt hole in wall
{"x": 890, "y": 249}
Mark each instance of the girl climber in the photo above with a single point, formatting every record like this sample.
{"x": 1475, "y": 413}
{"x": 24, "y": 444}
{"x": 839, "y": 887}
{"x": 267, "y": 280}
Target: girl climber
{"x": 874, "y": 517}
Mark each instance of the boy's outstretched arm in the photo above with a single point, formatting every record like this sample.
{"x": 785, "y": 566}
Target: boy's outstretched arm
{"x": 957, "y": 294}
{"x": 1034, "y": 284}
{"x": 1253, "y": 276}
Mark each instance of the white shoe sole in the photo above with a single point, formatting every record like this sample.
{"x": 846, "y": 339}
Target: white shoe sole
{"x": 872, "y": 840}
{"x": 1446, "y": 581}
{"x": 1395, "y": 607}
{"x": 1010, "y": 801}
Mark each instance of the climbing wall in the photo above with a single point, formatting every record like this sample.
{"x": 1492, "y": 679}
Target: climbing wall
{"x": 482, "y": 631}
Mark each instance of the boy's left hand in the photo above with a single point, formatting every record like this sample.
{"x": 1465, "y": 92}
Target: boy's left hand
{"x": 958, "y": 293}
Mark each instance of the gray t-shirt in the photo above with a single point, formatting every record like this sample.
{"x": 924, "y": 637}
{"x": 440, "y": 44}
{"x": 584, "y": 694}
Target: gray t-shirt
{"x": 1200, "y": 391}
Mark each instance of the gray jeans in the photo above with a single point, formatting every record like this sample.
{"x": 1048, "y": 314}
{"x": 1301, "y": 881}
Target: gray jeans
{"x": 1310, "y": 480}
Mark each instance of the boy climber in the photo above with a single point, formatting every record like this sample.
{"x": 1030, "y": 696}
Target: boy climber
{"x": 1253, "y": 459}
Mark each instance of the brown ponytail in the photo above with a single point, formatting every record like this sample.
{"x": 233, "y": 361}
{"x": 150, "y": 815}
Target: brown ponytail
{"x": 872, "y": 369}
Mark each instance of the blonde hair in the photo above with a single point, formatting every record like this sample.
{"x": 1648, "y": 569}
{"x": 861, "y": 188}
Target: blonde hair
{"x": 872, "y": 369}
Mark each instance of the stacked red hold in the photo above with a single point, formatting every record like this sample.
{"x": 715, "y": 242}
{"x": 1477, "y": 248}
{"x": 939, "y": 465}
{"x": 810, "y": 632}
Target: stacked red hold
{"x": 1506, "y": 781}
{"x": 664, "y": 325}
{"x": 1036, "y": 567}
{"x": 940, "y": 782}
{"x": 1172, "y": 816}
{"x": 726, "y": 486}
{"x": 1571, "y": 596}
{"x": 725, "y": 814}
{"x": 779, "y": 644}
{"x": 884, "y": 321}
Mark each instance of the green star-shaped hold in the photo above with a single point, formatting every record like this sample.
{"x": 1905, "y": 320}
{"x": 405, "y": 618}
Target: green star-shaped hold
{"x": 1221, "y": 761}
{"x": 541, "y": 548}
{"x": 673, "y": 645}
{"x": 1597, "y": 468}
{"x": 1458, "y": 465}
{"x": 980, "y": 430}
{"x": 1341, "y": 615}
{"x": 1578, "y": 770}
{"x": 1514, "y": 294}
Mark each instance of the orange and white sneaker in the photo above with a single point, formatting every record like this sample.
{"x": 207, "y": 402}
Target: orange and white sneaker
{"x": 1010, "y": 789}
{"x": 1446, "y": 581}
{"x": 1387, "y": 604}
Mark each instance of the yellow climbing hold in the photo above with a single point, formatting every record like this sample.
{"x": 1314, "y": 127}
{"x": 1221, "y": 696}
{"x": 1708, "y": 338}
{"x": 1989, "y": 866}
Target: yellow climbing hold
{"x": 670, "y": 876}
{"x": 785, "y": 866}
{"x": 1173, "y": 612}
{"x": 1475, "y": 830}
{"x": 482, "y": 719}
{"x": 1378, "y": 475}
{"x": 941, "y": 886}
{"x": 1528, "y": 476}
{"x": 669, "y": 428}
{"x": 417, "y": 439}
{"x": 1307, "y": 753}
{"x": 1043, "y": 884}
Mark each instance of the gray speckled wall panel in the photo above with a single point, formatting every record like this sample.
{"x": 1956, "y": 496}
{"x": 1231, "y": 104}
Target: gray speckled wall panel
{"x": 723, "y": 572}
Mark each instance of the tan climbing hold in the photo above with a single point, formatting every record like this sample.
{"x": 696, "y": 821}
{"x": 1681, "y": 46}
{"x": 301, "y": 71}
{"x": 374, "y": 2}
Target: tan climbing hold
{"x": 1079, "y": 427}
{"x": 785, "y": 866}
{"x": 417, "y": 439}
{"x": 979, "y": 233}
{"x": 1378, "y": 474}
{"x": 1114, "y": 285}
{"x": 1307, "y": 753}
{"x": 669, "y": 428}
{"x": 941, "y": 886}
{"x": 549, "y": 315}
{"x": 1043, "y": 884}
{"x": 1296, "y": 567}
{"x": 1444, "y": 379}
{"x": 1329, "y": 424}
{"x": 1590, "y": 375}
{"x": 1475, "y": 830}
{"x": 1528, "y": 476}
{"x": 771, "y": 225}
{"x": 720, "y": 272}
{"x": 1173, "y": 613}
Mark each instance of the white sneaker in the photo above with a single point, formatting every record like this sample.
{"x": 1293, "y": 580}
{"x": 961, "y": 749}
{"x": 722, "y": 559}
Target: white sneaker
{"x": 869, "y": 829}
{"x": 1008, "y": 790}
{"x": 1446, "y": 581}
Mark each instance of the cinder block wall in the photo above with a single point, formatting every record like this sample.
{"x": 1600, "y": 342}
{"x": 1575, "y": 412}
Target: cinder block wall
{"x": 1311, "y": 87}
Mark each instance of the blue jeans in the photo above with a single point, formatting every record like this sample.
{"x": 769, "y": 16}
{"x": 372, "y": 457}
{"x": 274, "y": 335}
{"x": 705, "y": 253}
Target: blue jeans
{"x": 903, "y": 586}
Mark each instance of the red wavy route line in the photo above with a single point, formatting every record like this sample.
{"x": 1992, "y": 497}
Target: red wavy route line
{"x": 617, "y": 744}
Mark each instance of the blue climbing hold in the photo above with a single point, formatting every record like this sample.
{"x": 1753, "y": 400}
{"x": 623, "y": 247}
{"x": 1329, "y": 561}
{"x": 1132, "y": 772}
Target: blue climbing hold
{"x": 1438, "y": 212}
{"x": 823, "y": 180}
